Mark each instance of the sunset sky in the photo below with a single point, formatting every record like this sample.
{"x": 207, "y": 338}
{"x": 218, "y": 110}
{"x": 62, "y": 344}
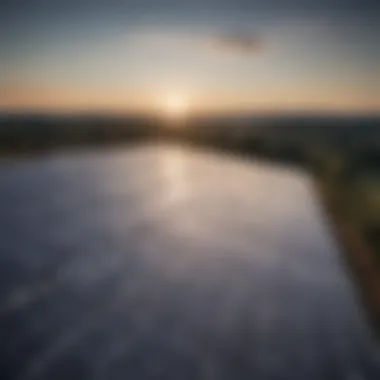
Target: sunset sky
{"x": 215, "y": 56}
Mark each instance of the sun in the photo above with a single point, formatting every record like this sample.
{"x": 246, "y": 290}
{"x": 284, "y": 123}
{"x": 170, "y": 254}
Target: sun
{"x": 175, "y": 106}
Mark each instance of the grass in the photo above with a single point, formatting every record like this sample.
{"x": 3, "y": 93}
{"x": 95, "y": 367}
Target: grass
{"x": 349, "y": 185}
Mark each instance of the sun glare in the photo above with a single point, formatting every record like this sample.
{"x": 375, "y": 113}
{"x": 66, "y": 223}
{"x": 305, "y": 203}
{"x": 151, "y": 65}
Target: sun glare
{"x": 175, "y": 106}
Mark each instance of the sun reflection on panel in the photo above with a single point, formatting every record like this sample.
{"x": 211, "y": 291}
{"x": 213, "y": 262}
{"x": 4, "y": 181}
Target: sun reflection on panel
{"x": 174, "y": 172}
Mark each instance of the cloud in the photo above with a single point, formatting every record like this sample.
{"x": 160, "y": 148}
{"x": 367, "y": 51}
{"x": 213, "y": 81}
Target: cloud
{"x": 236, "y": 44}
{"x": 227, "y": 43}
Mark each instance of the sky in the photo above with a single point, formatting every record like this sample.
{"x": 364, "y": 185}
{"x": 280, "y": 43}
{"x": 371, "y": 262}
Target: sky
{"x": 214, "y": 56}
